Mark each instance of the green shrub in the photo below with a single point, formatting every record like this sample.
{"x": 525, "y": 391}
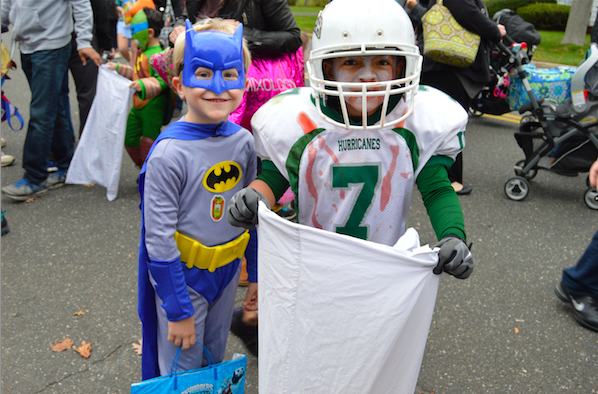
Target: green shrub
{"x": 552, "y": 17}
{"x": 496, "y": 5}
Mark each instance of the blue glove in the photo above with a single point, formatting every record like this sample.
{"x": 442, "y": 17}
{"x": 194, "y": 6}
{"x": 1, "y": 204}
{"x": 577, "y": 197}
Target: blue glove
{"x": 242, "y": 208}
{"x": 454, "y": 257}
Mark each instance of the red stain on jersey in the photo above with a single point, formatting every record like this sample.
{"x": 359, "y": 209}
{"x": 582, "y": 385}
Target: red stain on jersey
{"x": 321, "y": 172}
{"x": 342, "y": 194}
{"x": 307, "y": 125}
{"x": 312, "y": 152}
{"x": 405, "y": 174}
{"x": 335, "y": 208}
{"x": 386, "y": 186}
{"x": 322, "y": 144}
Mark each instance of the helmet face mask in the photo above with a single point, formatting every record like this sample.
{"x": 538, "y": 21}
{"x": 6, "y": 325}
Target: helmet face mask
{"x": 366, "y": 33}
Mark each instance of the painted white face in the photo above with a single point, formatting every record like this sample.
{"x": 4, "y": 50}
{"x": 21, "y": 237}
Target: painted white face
{"x": 363, "y": 69}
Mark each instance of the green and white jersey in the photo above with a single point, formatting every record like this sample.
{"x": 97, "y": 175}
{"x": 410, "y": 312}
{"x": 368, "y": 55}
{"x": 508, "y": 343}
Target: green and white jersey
{"x": 357, "y": 182}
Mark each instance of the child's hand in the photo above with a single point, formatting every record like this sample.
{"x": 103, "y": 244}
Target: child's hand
{"x": 136, "y": 85}
{"x": 182, "y": 332}
{"x": 111, "y": 65}
{"x": 250, "y": 302}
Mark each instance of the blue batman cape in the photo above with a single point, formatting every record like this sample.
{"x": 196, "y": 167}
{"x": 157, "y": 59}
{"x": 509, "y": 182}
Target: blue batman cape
{"x": 146, "y": 306}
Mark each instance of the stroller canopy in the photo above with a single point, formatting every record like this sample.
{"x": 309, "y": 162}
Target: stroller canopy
{"x": 517, "y": 28}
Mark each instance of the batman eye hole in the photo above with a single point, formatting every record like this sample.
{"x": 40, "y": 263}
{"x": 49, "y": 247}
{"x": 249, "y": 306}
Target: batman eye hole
{"x": 203, "y": 73}
{"x": 230, "y": 75}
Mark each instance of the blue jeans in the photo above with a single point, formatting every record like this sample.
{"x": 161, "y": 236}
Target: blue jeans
{"x": 582, "y": 279}
{"x": 50, "y": 128}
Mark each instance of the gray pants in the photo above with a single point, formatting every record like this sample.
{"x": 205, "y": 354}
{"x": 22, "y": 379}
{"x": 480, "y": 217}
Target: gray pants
{"x": 212, "y": 324}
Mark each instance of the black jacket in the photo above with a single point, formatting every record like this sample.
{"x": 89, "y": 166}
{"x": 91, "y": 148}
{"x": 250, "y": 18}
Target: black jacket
{"x": 268, "y": 25}
{"x": 472, "y": 15}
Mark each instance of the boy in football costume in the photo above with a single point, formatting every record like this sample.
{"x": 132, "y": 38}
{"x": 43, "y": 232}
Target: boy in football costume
{"x": 353, "y": 145}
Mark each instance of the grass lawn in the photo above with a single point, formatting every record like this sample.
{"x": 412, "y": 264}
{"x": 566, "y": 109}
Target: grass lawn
{"x": 306, "y": 22}
{"x": 551, "y": 49}
{"x": 306, "y": 9}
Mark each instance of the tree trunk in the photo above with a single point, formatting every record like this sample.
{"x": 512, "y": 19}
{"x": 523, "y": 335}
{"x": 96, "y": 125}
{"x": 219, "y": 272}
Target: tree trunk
{"x": 577, "y": 23}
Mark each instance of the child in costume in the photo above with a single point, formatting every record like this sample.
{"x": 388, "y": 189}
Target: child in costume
{"x": 186, "y": 289}
{"x": 151, "y": 103}
{"x": 354, "y": 144}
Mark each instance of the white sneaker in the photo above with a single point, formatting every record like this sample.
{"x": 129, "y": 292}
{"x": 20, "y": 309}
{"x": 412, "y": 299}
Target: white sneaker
{"x": 7, "y": 160}
{"x": 2, "y": 142}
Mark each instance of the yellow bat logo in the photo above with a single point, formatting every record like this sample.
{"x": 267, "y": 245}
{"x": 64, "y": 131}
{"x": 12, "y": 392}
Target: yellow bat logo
{"x": 222, "y": 176}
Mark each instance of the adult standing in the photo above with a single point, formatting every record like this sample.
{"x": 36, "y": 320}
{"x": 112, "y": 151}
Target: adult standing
{"x": 45, "y": 51}
{"x": 462, "y": 84}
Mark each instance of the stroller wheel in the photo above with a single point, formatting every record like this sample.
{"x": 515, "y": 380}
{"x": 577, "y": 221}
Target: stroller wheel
{"x": 474, "y": 113}
{"x": 530, "y": 175}
{"x": 517, "y": 188}
{"x": 590, "y": 197}
{"x": 588, "y": 181}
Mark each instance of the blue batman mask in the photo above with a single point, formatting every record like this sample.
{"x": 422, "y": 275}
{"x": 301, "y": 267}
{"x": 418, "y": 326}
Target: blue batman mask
{"x": 214, "y": 50}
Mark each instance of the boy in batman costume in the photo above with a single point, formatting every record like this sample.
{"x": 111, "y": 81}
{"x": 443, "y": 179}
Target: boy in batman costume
{"x": 187, "y": 288}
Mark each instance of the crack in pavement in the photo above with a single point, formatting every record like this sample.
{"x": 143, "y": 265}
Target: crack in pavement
{"x": 84, "y": 370}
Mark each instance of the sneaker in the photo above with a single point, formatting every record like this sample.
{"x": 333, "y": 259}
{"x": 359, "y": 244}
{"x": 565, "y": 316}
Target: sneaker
{"x": 2, "y": 142}
{"x": 246, "y": 332}
{"x": 56, "y": 179}
{"x": 7, "y": 159}
{"x": 5, "y": 229}
{"x": 52, "y": 166}
{"x": 585, "y": 308}
{"x": 22, "y": 190}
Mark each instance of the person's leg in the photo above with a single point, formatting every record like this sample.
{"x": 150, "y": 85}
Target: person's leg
{"x": 46, "y": 79}
{"x": 122, "y": 41}
{"x": 582, "y": 279}
{"x": 133, "y": 137}
{"x": 579, "y": 287}
{"x": 63, "y": 145}
{"x": 85, "y": 77}
{"x": 218, "y": 320}
{"x": 152, "y": 116}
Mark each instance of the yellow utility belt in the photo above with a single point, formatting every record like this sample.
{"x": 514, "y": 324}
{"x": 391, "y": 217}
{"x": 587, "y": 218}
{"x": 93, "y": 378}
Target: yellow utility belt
{"x": 197, "y": 255}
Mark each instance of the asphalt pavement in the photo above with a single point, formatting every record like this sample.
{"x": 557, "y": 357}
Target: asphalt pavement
{"x": 501, "y": 331}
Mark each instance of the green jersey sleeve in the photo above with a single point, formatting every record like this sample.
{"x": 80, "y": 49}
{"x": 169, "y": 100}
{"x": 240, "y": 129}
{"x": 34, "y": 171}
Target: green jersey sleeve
{"x": 273, "y": 178}
{"x": 440, "y": 200}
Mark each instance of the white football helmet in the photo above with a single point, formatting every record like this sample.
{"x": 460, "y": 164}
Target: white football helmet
{"x": 352, "y": 28}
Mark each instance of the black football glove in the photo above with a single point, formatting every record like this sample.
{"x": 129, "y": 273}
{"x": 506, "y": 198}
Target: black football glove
{"x": 242, "y": 208}
{"x": 454, "y": 257}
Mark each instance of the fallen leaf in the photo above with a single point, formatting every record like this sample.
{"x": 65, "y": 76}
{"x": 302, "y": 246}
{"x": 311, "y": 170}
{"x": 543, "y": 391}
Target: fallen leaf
{"x": 30, "y": 199}
{"x": 516, "y": 330}
{"x": 90, "y": 185}
{"x": 84, "y": 350}
{"x": 59, "y": 345}
{"x": 80, "y": 313}
{"x": 137, "y": 347}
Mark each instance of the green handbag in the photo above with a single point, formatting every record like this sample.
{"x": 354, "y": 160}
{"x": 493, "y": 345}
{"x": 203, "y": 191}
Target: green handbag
{"x": 446, "y": 41}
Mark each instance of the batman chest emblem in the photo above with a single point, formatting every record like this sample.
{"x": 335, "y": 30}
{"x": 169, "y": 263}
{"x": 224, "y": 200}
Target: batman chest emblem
{"x": 222, "y": 176}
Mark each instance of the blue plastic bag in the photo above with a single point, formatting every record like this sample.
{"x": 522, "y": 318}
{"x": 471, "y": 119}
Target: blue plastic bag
{"x": 228, "y": 377}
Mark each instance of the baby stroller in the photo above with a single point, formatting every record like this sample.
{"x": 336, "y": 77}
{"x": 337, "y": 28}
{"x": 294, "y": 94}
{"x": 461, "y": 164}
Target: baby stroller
{"x": 521, "y": 35}
{"x": 562, "y": 138}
